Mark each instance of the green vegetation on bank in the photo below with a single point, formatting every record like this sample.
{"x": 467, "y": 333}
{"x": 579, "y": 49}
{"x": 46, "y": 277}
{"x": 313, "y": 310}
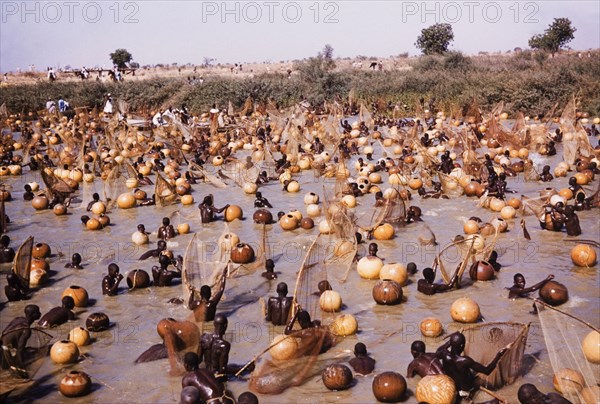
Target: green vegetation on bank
{"x": 530, "y": 82}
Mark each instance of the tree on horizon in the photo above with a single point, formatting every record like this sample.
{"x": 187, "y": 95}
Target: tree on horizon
{"x": 555, "y": 37}
{"x": 121, "y": 57}
{"x": 435, "y": 39}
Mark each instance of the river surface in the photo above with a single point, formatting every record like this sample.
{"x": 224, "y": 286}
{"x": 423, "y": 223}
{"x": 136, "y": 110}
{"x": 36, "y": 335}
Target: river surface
{"x": 109, "y": 359}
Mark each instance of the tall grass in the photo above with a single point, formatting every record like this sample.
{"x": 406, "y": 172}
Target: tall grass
{"x": 526, "y": 82}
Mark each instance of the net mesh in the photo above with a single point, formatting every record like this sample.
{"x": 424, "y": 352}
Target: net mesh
{"x": 563, "y": 334}
{"x": 22, "y": 262}
{"x": 485, "y": 340}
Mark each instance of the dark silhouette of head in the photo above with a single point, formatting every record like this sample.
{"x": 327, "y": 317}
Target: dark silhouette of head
{"x": 68, "y": 302}
{"x": 360, "y": 349}
{"x": 191, "y": 361}
{"x": 417, "y": 348}
{"x": 282, "y": 289}
{"x": 429, "y": 275}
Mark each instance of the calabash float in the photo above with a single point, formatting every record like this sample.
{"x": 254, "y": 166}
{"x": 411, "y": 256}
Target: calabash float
{"x": 344, "y": 325}
{"x": 591, "y": 347}
{"x": 342, "y": 247}
{"x": 568, "y": 381}
{"x": 79, "y": 295}
{"x": 481, "y": 271}
{"x": 228, "y": 240}
{"x": 431, "y": 327}
{"x": 471, "y": 227}
{"x": 283, "y": 347}
{"x": 138, "y": 279}
{"x": 233, "y": 212}
{"x": 389, "y": 387}
{"x": 311, "y": 198}
{"x": 242, "y": 254}
{"x": 126, "y": 201}
{"x": 387, "y": 292}
{"x": 554, "y": 293}
{"x": 465, "y": 310}
{"x": 438, "y": 389}
{"x": 324, "y": 227}
{"x": 262, "y": 216}
{"x": 583, "y": 255}
{"x": 330, "y": 301}
{"x": 41, "y": 251}
{"x": 139, "y": 238}
{"x": 313, "y": 210}
{"x": 99, "y": 208}
{"x": 395, "y": 271}
{"x": 187, "y": 200}
{"x": 384, "y": 231}
{"x": 39, "y": 202}
{"x": 93, "y": 224}
{"x": 59, "y": 209}
{"x": 289, "y": 222}
{"x": 97, "y": 322}
{"x": 369, "y": 267}
{"x": 63, "y": 352}
{"x": 307, "y": 223}
{"x": 183, "y": 228}
{"x": 337, "y": 377}
{"x": 75, "y": 384}
{"x": 79, "y": 336}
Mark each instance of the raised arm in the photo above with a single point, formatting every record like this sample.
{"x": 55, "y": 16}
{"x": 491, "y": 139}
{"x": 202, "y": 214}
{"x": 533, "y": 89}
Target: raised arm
{"x": 217, "y": 297}
{"x": 537, "y": 285}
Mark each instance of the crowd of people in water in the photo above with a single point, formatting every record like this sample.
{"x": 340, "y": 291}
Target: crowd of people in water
{"x": 207, "y": 367}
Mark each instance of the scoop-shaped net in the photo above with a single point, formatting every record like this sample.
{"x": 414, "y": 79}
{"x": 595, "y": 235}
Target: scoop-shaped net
{"x": 164, "y": 191}
{"x": 22, "y": 262}
{"x": 312, "y": 271}
{"x": 564, "y": 335}
{"x": 485, "y": 340}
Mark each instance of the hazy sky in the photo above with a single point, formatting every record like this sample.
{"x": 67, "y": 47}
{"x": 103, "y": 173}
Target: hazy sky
{"x": 77, "y": 33}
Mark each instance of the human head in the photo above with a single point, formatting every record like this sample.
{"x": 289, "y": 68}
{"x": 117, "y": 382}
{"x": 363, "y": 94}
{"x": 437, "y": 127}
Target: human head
{"x": 27, "y": 187}
{"x": 76, "y": 259}
{"x": 141, "y": 228}
{"x": 113, "y": 269}
{"x": 191, "y": 361}
{"x": 429, "y": 275}
{"x": 360, "y": 349}
{"x": 572, "y": 182}
{"x": 161, "y": 245}
{"x": 32, "y": 312}
{"x": 190, "y": 395}
{"x": 220, "y": 324}
{"x": 529, "y": 394}
{"x": 166, "y": 221}
{"x": 411, "y": 267}
{"x": 519, "y": 280}
{"x": 417, "y": 348}
{"x": 324, "y": 285}
{"x": 96, "y": 197}
{"x": 457, "y": 342}
{"x": 247, "y": 398}
{"x": 282, "y": 289}
{"x": 304, "y": 319}
{"x": 4, "y": 240}
{"x": 68, "y": 302}
{"x": 270, "y": 265}
{"x": 205, "y": 292}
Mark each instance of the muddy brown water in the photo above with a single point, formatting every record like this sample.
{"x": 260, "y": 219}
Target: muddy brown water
{"x": 134, "y": 314}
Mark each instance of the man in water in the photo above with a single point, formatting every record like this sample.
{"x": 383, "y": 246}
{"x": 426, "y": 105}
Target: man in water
{"x": 261, "y": 201}
{"x": 161, "y": 274}
{"x": 518, "y": 289}
{"x": 210, "y": 389}
{"x": 278, "y": 308}
{"x": 161, "y": 245}
{"x": 427, "y": 286}
{"x": 423, "y": 364}
{"x": 75, "y": 262}
{"x": 214, "y": 350}
{"x": 529, "y": 394}
{"x": 270, "y": 270}
{"x": 110, "y": 283}
{"x": 206, "y": 307}
{"x": 166, "y": 231}
{"x": 461, "y": 368}
{"x": 15, "y": 337}
{"x": 59, "y": 315}
{"x": 14, "y": 289}
{"x": 362, "y": 363}
{"x": 208, "y": 210}
{"x": 7, "y": 254}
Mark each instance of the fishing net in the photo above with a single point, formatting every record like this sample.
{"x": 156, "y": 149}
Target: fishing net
{"x": 365, "y": 116}
{"x": 22, "y": 262}
{"x": 241, "y": 172}
{"x": 564, "y": 334}
{"x": 450, "y": 185}
{"x": 274, "y": 377}
{"x": 164, "y": 191}
{"x": 200, "y": 267}
{"x": 483, "y": 341}
{"x": 575, "y": 140}
{"x": 198, "y": 171}
{"x": 312, "y": 271}
{"x": 114, "y": 185}
{"x": 55, "y": 185}
{"x": 16, "y": 371}
{"x": 342, "y": 246}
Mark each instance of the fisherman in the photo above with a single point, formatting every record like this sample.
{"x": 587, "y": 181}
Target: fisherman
{"x": 7, "y": 254}
{"x": 572, "y": 221}
{"x": 427, "y": 286}
{"x": 518, "y": 289}
{"x": 161, "y": 245}
{"x": 14, "y": 289}
{"x": 59, "y": 315}
{"x": 461, "y": 368}
{"x": 75, "y": 262}
{"x": 28, "y": 195}
{"x": 166, "y": 231}
{"x": 423, "y": 364}
{"x": 362, "y": 363}
{"x": 208, "y": 210}
{"x": 15, "y": 337}
{"x": 270, "y": 270}
{"x": 161, "y": 274}
{"x": 108, "y": 106}
{"x": 210, "y": 389}
{"x": 205, "y": 308}
{"x": 95, "y": 198}
{"x": 261, "y": 201}
{"x": 529, "y": 394}
{"x": 278, "y": 308}
{"x": 545, "y": 176}
{"x": 110, "y": 283}
{"x": 214, "y": 349}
